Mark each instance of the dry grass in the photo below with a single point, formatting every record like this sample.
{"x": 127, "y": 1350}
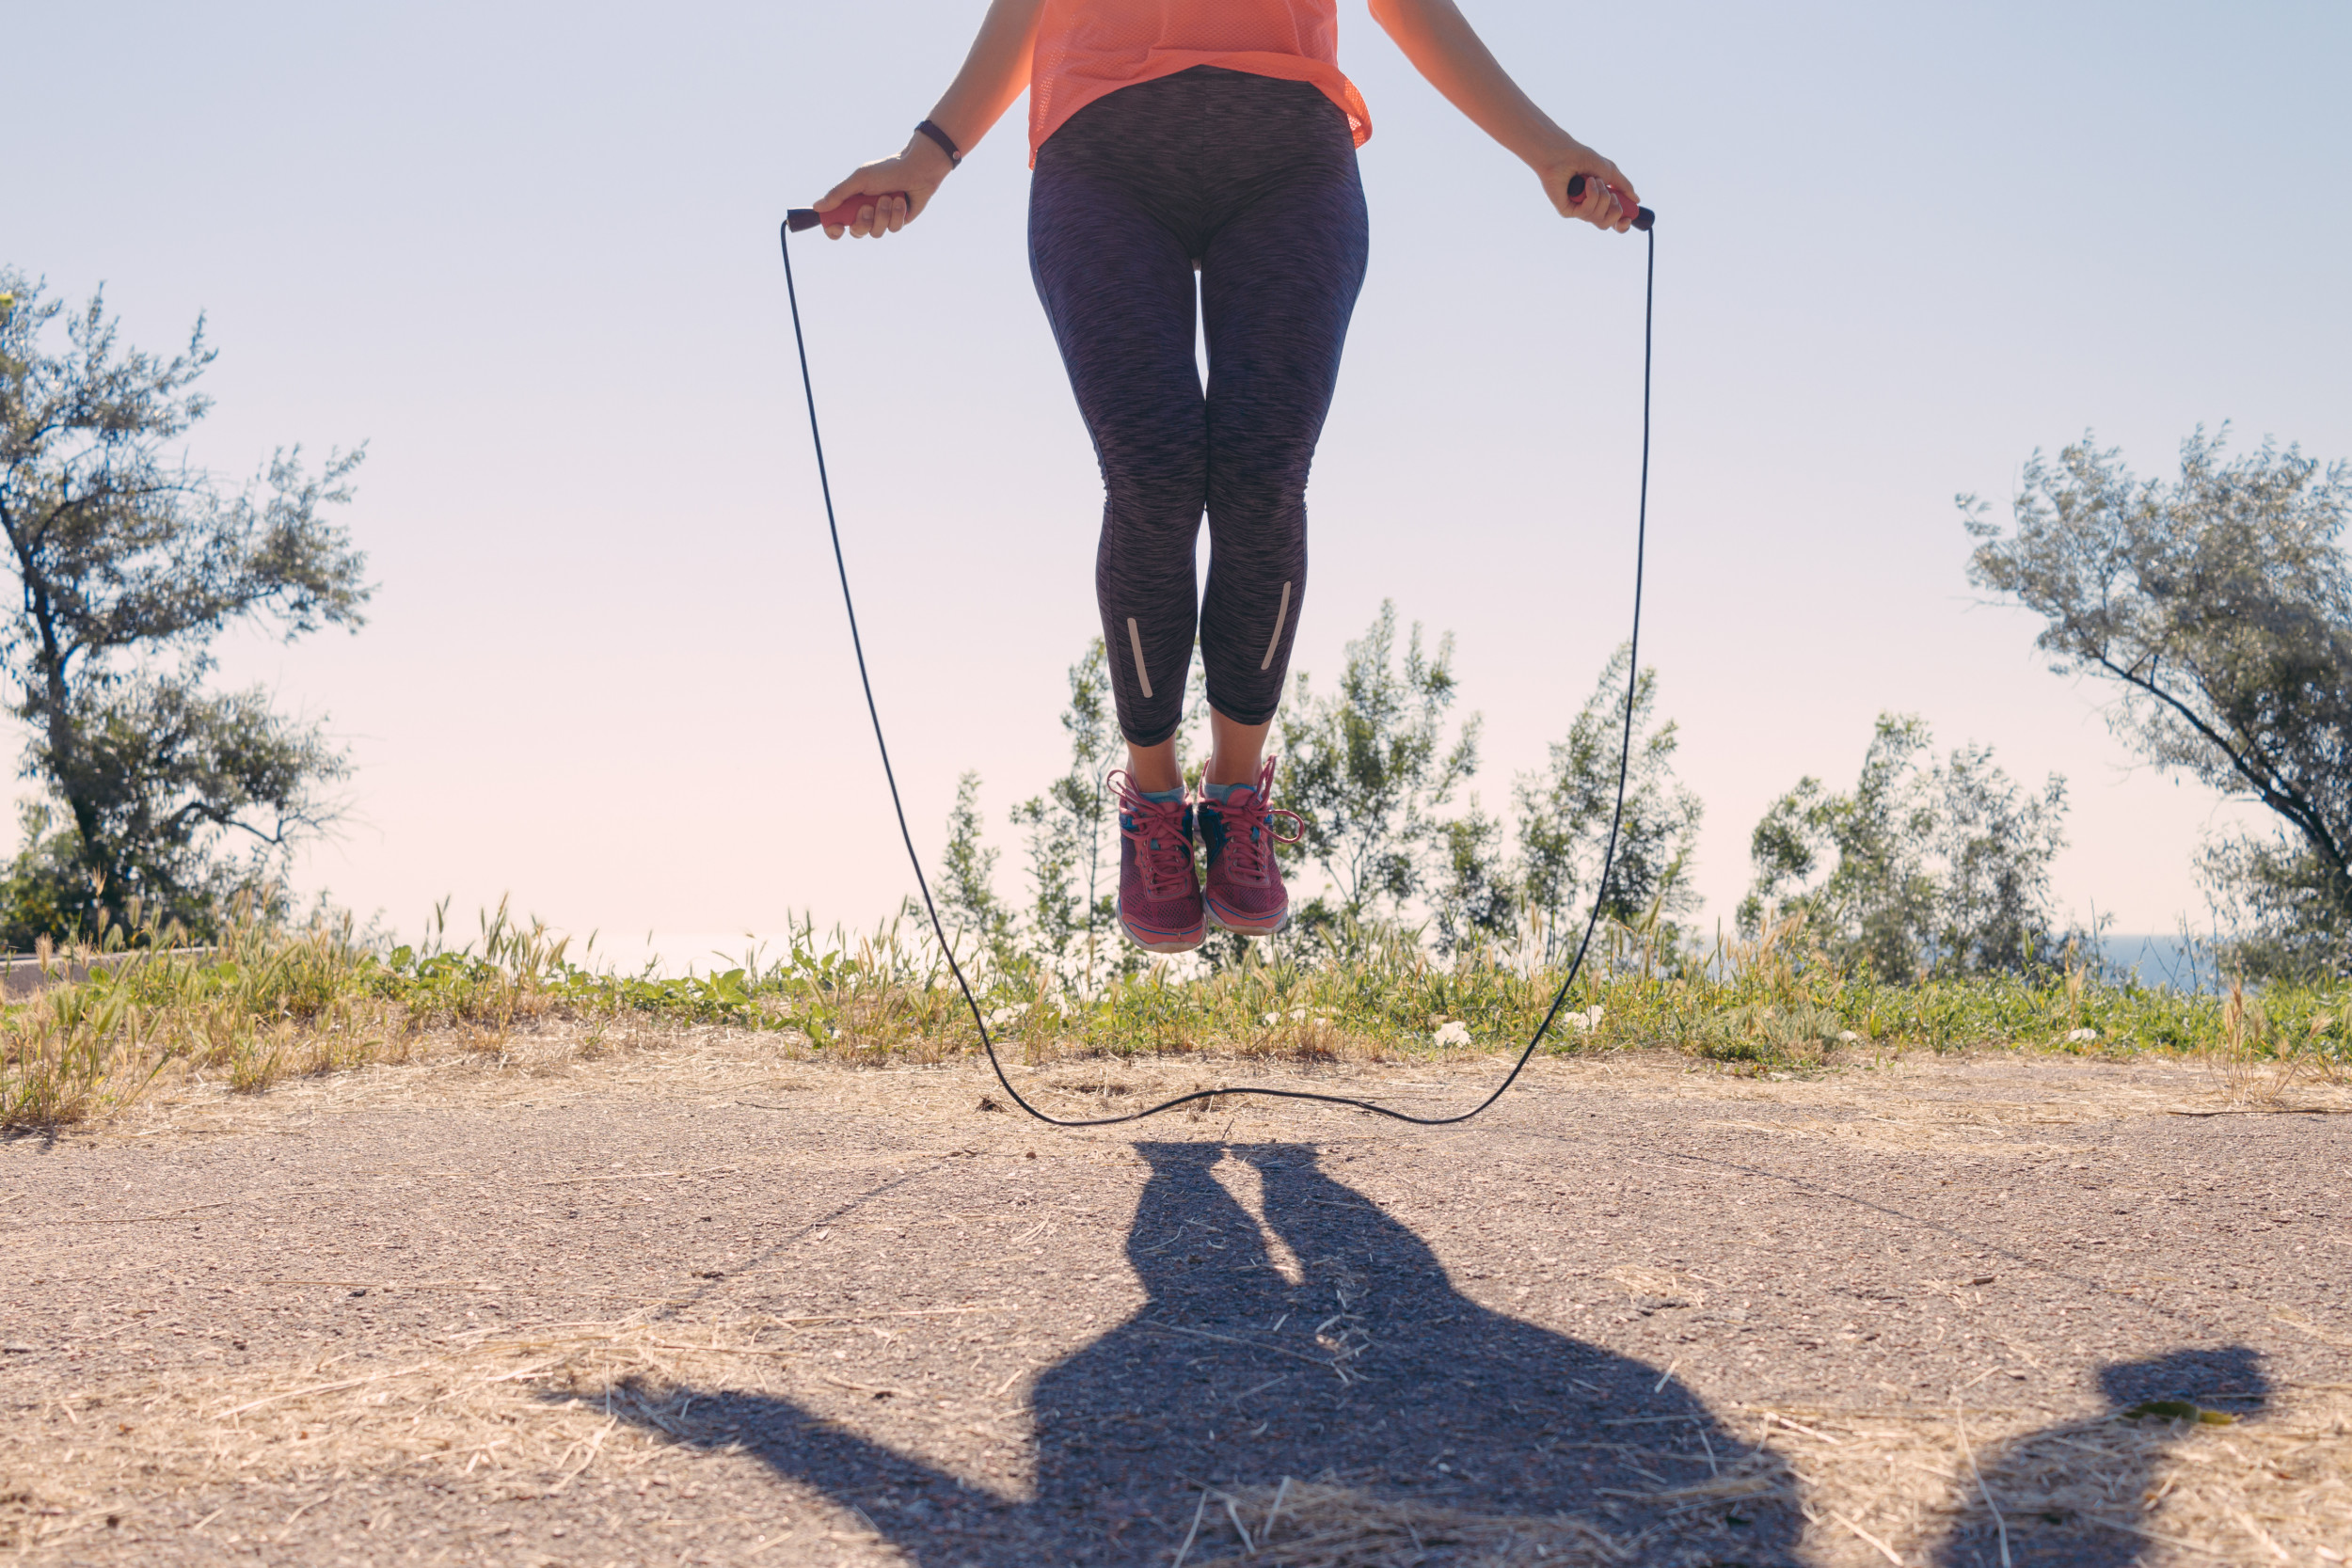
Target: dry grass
{"x": 526, "y": 1414}
{"x": 1312, "y": 1525}
{"x": 2258, "y": 1062}
{"x": 494, "y": 1415}
{"x": 2276, "y": 1486}
{"x": 1890, "y": 1485}
{"x": 253, "y": 1062}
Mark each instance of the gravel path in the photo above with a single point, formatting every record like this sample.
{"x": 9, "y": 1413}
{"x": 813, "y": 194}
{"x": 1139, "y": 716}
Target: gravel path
{"x": 694, "y": 1304}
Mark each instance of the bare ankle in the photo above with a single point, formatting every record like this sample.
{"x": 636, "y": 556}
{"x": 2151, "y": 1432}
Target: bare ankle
{"x": 1236, "y": 751}
{"x": 1154, "y": 769}
{"x": 1240, "y": 773}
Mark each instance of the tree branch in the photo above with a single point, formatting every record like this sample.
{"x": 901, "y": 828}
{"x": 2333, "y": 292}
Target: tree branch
{"x": 2293, "y": 807}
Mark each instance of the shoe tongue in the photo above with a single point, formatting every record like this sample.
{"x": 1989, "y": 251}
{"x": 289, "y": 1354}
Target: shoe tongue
{"x": 1145, "y": 814}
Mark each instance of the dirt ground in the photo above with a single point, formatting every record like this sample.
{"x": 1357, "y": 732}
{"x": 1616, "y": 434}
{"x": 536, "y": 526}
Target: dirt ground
{"x": 692, "y": 1303}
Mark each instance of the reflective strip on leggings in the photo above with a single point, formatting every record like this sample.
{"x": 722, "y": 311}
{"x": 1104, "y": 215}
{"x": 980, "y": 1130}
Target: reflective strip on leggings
{"x": 1135, "y": 641}
{"x": 1280, "y": 615}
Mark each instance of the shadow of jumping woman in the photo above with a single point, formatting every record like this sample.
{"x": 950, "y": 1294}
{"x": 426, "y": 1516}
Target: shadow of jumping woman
{"x": 1327, "y": 1363}
{"x": 2074, "y": 1494}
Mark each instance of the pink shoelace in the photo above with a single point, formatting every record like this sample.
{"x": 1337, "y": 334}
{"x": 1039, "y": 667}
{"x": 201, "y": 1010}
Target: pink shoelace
{"x": 1162, "y": 854}
{"x": 1247, "y": 857}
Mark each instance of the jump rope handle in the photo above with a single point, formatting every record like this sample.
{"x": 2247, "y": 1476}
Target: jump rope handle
{"x": 1642, "y": 216}
{"x": 844, "y": 215}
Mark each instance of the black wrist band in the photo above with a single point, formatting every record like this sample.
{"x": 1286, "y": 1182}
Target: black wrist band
{"x": 947, "y": 143}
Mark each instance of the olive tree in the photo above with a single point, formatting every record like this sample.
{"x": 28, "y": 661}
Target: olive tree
{"x": 1565, "y": 812}
{"x": 1473, "y": 897}
{"x": 1071, "y": 916}
{"x": 131, "y": 562}
{"x": 1367, "y": 768}
{"x": 968, "y": 881}
{"x": 1921, "y": 868}
{"x": 2218, "y": 606}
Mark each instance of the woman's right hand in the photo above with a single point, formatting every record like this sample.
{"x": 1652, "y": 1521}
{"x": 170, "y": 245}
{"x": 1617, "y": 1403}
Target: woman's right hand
{"x": 916, "y": 171}
{"x": 1608, "y": 197}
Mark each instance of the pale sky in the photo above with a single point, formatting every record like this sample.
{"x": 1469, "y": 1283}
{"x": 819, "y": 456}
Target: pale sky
{"x": 527, "y": 252}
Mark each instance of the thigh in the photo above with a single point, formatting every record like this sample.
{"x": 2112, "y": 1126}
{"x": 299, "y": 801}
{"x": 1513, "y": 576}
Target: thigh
{"x": 1278, "y": 286}
{"x": 1118, "y": 289}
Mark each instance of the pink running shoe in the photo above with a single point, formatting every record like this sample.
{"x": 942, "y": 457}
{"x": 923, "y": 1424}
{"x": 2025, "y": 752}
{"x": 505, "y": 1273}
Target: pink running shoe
{"x": 1245, "y": 892}
{"x": 1159, "y": 893}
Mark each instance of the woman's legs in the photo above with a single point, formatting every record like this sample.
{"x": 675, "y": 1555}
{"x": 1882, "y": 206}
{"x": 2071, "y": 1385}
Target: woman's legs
{"x": 1252, "y": 181}
{"x": 1255, "y": 180}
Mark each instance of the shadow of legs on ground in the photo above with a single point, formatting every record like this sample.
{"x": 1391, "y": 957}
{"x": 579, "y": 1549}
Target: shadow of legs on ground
{"x": 2071, "y": 1495}
{"x": 1327, "y": 1360}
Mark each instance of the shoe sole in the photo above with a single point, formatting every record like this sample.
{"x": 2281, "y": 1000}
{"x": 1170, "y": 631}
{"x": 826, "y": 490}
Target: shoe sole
{"x": 1171, "y": 942}
{"x": 1244, "y": 928}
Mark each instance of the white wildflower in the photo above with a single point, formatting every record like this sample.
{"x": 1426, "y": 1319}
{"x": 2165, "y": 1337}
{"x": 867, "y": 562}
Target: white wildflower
{"x": 1454, "y": 1033}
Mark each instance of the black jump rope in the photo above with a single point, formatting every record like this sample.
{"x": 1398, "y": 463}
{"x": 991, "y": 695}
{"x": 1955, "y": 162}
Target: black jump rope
{"x": 803, "y": 218}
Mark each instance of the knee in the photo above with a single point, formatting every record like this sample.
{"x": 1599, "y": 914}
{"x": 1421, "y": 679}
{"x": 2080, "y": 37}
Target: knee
{"x": 1259, "y": 473}
{"x": 1266, "y": 506}
{"x": 1159, "y": 492}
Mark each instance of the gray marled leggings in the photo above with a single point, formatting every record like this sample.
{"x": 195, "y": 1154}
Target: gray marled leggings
{"x": 1254, "y": 177}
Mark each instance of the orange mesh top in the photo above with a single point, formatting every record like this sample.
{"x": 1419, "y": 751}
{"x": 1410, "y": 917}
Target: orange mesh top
{"x": 1088, "y": 48}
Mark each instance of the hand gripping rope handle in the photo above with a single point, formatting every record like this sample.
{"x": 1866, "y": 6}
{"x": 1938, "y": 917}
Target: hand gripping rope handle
{"x": 1642, "y": 218}
{"x": 1616, "y": 819}
{"x": 841, "y": 216}
{"x": 800, "y": 219}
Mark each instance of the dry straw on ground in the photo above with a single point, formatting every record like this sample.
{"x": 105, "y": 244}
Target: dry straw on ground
{"x": 527, "y": 1415}
{"x": 1890, "y": 1486}
{"x": 495, "y": 1414}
